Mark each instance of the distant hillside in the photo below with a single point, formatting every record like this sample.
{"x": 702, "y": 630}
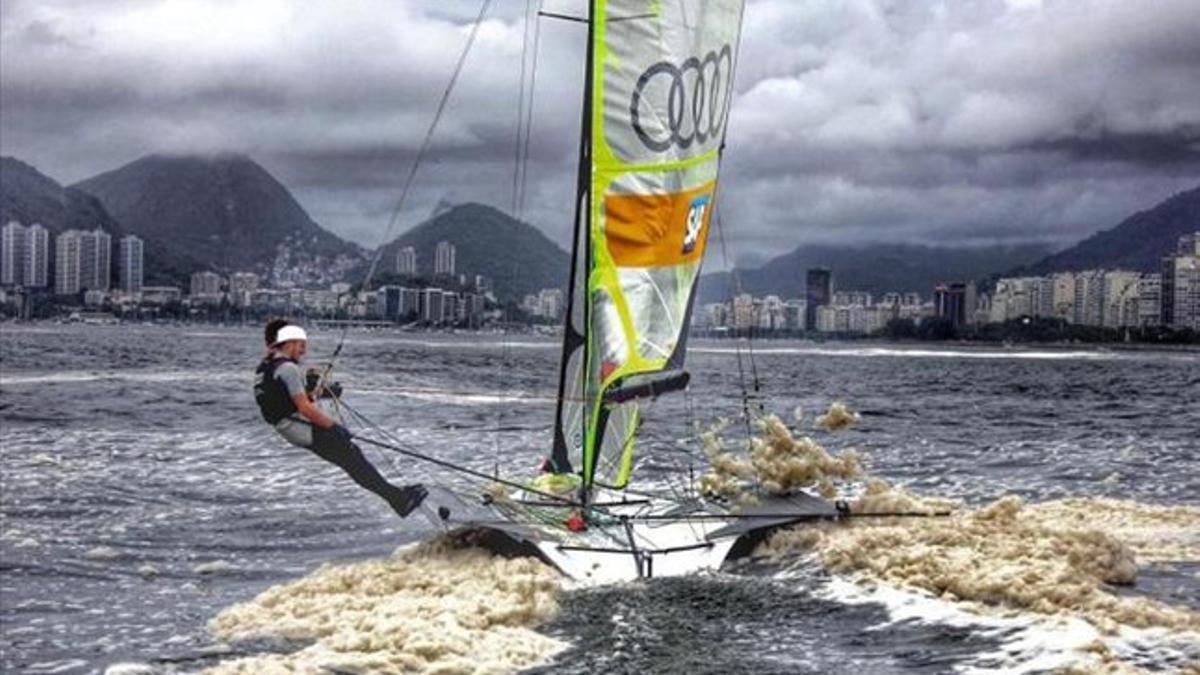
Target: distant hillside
{"x": 1138, "y": 243}
{"x": 516, "y": 256}
{"x": 29, "y": 196}
{"x": 222, "y": 212}
{"x": 877, "y": 269}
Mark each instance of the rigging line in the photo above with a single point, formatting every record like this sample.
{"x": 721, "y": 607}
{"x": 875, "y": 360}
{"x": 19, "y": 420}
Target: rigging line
{"x": 409, "y": 452}
{"x": 370, "y": 424}
{"x": 391, "y": 458}
{"x": 379, "y": 429}
{"x": 596, "y": 508}
{"x": 737, "y": 343}
{"x": 501, "y": 394}
{"x": 398, "y": 447}
{"x": 537, "y": 39}
{"x": 736, "y": 280}
{"x": 428, "y": 140}
{"x": 737, "y": 275}
{"x": 795, "y": 517}
{"x": 421, "y": 152}
{"x": 677, "y": 482}
{"x": 520, "y": 126}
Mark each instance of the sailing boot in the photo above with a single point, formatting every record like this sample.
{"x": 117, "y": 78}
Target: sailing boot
{"x": 408, "y": 498}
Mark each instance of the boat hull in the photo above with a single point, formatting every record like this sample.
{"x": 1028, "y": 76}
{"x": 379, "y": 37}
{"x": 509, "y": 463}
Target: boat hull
{"x": 629, "y": 538}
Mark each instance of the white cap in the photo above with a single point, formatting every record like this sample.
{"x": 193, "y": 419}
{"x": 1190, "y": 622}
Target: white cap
{"x": 289, "y": 333}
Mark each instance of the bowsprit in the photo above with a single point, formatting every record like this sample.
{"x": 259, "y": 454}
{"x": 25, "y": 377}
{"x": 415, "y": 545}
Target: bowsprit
{"x": 699, "y": 86}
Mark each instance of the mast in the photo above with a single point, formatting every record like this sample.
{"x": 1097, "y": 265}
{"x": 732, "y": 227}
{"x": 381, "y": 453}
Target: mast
{"x": 573, "y": 339}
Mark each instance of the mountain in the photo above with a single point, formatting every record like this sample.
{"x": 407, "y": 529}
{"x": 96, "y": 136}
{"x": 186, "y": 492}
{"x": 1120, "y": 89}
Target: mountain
{"x": 221, "y": 212}
{"x": 516, "y": 256}
{"x": 29, "y": 196}
{"x": 1138, "y": 243}
{"x": 878, "y": 269}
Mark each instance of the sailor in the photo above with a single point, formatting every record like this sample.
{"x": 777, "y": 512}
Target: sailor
{"x": 271, "y": 332}
{"x": 285, "y": 404}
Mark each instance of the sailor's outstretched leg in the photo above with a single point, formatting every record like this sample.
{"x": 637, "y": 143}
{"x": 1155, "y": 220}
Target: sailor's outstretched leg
{"x": 333, "y": 448}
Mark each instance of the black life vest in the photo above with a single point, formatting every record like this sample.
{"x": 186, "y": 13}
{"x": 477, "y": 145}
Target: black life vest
{"x": 272, "y": 397}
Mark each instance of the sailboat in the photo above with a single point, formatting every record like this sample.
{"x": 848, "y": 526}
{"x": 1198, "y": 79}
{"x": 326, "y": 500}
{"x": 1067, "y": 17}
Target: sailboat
{"x": 657, "y": 93}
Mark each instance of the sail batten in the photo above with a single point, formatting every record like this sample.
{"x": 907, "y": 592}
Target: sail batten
{"x": 659, "y": 86}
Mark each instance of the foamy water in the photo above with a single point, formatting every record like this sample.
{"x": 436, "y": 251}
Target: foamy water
{"x": 433, "y": 608}
{"x": 149, "y": 522}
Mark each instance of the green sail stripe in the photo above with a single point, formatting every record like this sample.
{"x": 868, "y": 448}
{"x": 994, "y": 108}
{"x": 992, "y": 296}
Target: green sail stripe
{"x": 631, "y": 308}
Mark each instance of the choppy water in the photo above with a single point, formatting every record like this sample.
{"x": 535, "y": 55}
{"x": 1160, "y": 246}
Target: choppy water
{"x": 140, "y": 494}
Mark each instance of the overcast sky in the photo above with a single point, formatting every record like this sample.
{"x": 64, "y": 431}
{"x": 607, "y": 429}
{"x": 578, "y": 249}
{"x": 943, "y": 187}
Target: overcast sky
{"x": 965, "y": 121}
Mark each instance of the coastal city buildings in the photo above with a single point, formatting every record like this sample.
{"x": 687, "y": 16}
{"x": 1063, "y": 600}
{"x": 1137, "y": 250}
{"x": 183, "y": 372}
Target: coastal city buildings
{"x": 955, "y": 302}
{"x": 161, "y": 295}
{"x": 37, "y": 257}
{"x": 95, "y": 260}
{"x": 82, "y": 261}
{"x": 1180, "y": 285}
{"x": 130, "y": 270}
{"x": 1120, "y": 300}
{"x": 548, "y": 303}
{"x": 406, "y": 261}
{"x": 242, "y": 286}
{"x": 12, "y": 254}
{"x": 426, "y": 306}
{"x": 443, "y": 259}
{"x": 818, "y": 292}
{"x": 1149, "y": 293}
{"x": 432, "y": 305}
{"x": 67, "y": 279}
{"x": 206, "y": 286}
{"x": 83, "y": 264}
{"x": 1109, "y": 298}
{"x": 24, "y": 255}
{"x": 1113, "y": 299}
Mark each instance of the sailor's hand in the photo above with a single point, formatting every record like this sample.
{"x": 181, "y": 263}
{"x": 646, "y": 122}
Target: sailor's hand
{"x": 342, "y": 432}
{"x": 312, "y": 378}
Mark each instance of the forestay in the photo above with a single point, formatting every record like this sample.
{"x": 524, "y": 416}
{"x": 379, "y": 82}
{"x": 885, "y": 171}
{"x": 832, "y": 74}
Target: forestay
{"x": 659, "y": 90}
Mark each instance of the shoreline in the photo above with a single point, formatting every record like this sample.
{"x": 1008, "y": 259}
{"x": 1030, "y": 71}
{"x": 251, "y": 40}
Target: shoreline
{"x": 554, "y": 332}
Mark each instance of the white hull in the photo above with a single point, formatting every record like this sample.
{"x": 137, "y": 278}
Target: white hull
{"x": 626, "y": 540}
{"x": 670, "y": 550}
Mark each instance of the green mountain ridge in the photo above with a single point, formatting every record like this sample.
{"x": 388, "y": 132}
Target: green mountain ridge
{"x": 517, "y": 257}
{"x": 220, "y": 212}
{"x": 1137, "y": 243}
{"x": 877, "y": 269}
{"x": 227, "y": 213}
{"x": 29, "y": 196}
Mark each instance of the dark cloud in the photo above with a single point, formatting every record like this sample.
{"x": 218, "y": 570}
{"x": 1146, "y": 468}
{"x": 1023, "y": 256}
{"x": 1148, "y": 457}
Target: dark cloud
{"x": 40, "y": 34}
{"x": 1178, "y": 148}
{"x": 863, "y": 120}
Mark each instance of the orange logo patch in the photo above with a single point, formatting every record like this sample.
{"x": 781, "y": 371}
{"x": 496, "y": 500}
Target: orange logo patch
{"x": 658, "y": 230}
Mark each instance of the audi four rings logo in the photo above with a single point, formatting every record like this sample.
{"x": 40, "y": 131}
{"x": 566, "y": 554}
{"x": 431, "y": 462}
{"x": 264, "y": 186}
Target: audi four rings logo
{"x": 696, "y": 94}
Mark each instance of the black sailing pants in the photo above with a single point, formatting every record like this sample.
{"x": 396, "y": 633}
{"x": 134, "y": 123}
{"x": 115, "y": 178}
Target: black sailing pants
{"x": 337, "y": 450}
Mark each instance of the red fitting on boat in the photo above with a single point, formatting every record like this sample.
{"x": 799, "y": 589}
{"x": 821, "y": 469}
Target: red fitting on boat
{"x": 575, "y": 522}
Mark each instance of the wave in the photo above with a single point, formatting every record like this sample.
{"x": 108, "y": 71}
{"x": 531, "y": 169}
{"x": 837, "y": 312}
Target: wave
{"x": 459, "y": 344}
{"x": 1053, "y": 566}
{"x": 456, "y": 397}
{"x": 429, "y": 608}
{"x": 919, "y": 353}
{"x": 76, "y": 376}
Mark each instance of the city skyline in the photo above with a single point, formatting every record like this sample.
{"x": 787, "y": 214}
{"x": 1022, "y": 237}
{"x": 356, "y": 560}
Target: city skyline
{"x": 1102, "y": 298}
{"x": 1108, "y": 298}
